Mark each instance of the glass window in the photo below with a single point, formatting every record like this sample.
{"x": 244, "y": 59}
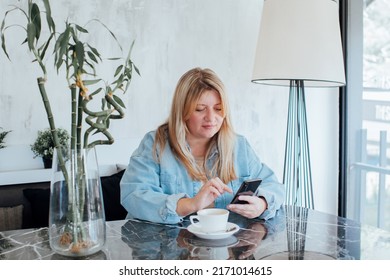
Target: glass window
{"x": 368, "y": 112}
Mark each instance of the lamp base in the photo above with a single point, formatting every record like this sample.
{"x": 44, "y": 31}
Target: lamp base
{"x": 297, "y": 170}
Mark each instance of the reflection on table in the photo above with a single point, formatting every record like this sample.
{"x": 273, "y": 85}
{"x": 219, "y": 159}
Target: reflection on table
{"x": 295, "y": 233}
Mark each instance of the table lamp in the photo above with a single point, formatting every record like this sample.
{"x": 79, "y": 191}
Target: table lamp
{"x": 299, "y": 45}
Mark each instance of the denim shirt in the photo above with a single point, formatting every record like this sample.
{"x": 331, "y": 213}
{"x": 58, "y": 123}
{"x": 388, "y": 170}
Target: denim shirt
{"x": 150, "y": 190}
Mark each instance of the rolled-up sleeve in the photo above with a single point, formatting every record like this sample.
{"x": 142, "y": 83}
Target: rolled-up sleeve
{"x": 142, "y": 194}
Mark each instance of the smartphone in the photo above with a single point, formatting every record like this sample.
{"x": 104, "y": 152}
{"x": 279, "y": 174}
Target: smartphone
{"x": 247, "y": 187}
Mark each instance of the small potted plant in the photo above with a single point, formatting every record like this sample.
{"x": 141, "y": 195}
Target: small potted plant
{"x": 3, "y": 134}
{"x": 44, "y": 145}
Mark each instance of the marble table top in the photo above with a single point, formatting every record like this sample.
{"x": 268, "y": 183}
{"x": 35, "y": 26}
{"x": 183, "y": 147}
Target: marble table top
{"x": 295, "y": 233}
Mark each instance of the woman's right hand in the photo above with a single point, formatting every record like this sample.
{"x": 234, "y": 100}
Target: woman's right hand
{"x": 209, "y": 192}
{"x": 205, "y": 197}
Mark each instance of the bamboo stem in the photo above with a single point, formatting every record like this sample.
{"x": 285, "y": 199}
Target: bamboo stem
{"x": 46, "y": 103}
{"x": 79, "y": 119}
{"x": 73, "y": 137}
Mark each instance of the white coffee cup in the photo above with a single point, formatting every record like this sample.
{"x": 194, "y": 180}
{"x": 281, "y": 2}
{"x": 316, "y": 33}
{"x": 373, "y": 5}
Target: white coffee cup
{"x": 211, "y": 220}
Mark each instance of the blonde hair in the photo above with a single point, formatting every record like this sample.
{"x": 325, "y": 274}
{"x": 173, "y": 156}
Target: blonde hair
{"x": 189, "y": 89}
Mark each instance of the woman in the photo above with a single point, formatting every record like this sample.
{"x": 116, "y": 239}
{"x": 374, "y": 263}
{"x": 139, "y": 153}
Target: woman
{"x": 195, "y": 160}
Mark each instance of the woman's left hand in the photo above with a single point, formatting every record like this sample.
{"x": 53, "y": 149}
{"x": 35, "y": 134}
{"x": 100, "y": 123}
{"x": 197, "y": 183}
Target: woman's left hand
{"x": 253, "y": 209}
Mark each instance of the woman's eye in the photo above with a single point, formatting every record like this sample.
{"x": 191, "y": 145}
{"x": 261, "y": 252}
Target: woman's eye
{"x": 199, "y": 109}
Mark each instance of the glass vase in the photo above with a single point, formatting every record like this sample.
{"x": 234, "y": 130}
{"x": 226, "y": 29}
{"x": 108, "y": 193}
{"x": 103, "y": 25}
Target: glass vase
{"x": 77, "y": 225}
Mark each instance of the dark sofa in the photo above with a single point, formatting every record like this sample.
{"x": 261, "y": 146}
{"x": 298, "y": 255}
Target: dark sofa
{"x": 27, "y": 206}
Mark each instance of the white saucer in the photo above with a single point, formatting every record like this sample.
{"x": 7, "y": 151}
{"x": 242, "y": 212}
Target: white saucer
{"x": 227, "y": 242}
{"x": 218, "y": 235}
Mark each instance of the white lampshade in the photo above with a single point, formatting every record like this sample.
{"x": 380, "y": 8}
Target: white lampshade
{"x": 299, "y": 40}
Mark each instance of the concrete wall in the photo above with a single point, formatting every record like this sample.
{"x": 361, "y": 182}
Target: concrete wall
{"x": 171, "y": 36}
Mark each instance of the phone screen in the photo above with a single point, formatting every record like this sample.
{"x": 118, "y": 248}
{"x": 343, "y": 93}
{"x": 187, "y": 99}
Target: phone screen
{"x": 247, "y": 187}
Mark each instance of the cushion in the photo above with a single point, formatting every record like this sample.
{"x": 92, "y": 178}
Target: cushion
{"x": 11, "y": 217}
{"x": 39, "y": 203}
{"x": 112, "y": 197}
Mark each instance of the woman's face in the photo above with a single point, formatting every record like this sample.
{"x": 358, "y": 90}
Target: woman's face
{"x": 207, "y": 118}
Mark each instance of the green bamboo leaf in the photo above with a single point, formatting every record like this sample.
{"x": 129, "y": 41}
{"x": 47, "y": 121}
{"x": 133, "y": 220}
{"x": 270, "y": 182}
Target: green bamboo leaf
{"x": 91, "y": 82}
{"x": 49, "y": 19}
{"x": 79, "y": 28}
{"x": 74, "y": 75}
{"x": 92, "y": 56}
{"x": 128, "y": 59}
{"x": 127, "y": 86}
{"x": 3, "y": 45}
{"x": 130, "y": 50}
{"x": 129, "y": 62}
{"x": 52, "y": 25}
{"x": 95, "y": 51}
{"x": 96, "y": 91}
{"x": 58, "y": 42}
{"x": 114, "y": 58}
{"x": 73, "y": 34}
{"x": 3, "y": 23}
{"x": 31, "y": 35}
{"x": 136, "y": 70}
{"x": 128, "y": 74}
{"x": 92, "y": 68}
{"x": 112, "y": 34}
{"x": 80, "y": 54}
{"x": 63, "y": 42}
{"x": 59, "y": 63}
{"x": 119, "y": 80}
{"x": 18, "y": 8}
{"x": 128, "y": 71}
{"x": 3, "y": 28}
{"x": 118, "y": 70}
{"x": 45, "y": 46}
{"x": 119, "y": 101}
{"x": 36, "y": 19}
{"x": 42, "y": 46}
